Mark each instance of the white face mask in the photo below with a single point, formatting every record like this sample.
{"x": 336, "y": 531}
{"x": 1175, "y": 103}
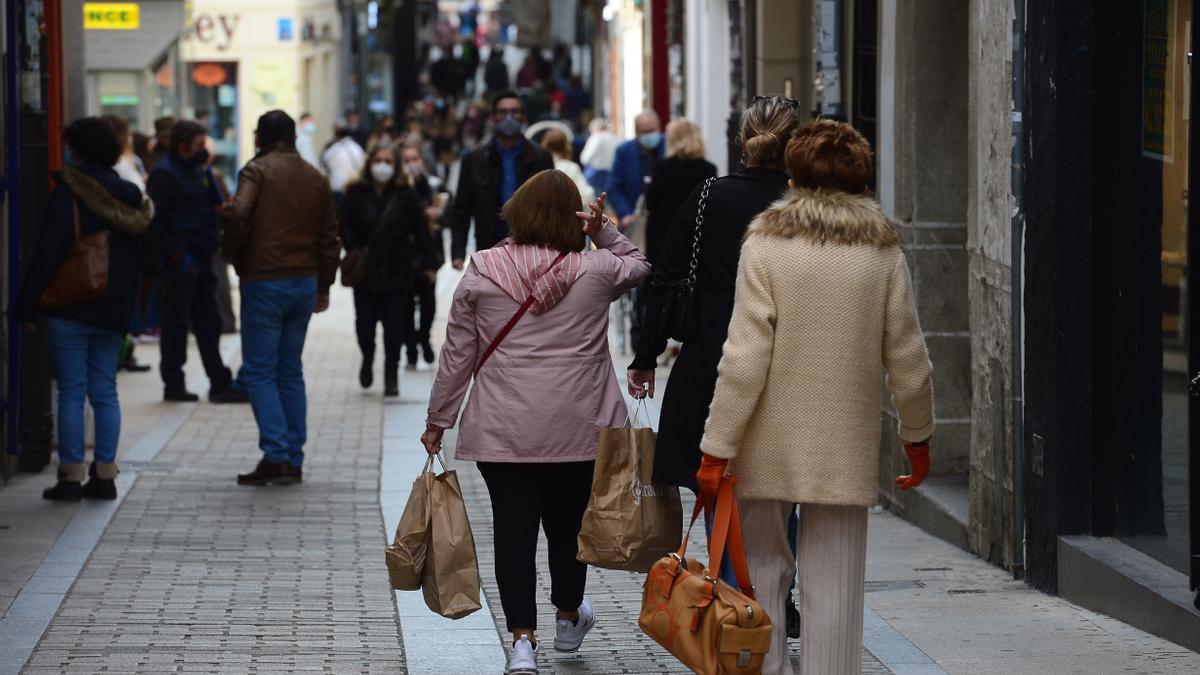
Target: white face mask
{"x": 382, "y": 172}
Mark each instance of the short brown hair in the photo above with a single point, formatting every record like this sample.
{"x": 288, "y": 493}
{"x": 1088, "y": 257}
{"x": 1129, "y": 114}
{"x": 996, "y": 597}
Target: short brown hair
{"x": 829, "y": 154}
{"x": 542, "y": 212}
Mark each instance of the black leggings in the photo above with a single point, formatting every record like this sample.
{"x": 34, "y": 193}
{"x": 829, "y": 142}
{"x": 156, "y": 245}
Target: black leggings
{"x": 524, "y": 494}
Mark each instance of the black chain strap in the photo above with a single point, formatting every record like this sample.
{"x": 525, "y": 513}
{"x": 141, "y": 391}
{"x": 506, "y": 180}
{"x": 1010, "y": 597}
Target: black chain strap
{"x": 691, "y": 279}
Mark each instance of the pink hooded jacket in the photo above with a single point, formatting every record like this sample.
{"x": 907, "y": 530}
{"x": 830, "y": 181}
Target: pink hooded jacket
{"x": 551, "y": 385}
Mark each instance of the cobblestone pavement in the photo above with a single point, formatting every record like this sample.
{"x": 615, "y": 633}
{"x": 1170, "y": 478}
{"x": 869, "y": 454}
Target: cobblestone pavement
{"x": 196, "y": 573}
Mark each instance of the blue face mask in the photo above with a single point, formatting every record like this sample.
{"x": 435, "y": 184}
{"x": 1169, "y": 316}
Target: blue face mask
{"x": 650, "y": 140}
{"x": 509, "y": 127}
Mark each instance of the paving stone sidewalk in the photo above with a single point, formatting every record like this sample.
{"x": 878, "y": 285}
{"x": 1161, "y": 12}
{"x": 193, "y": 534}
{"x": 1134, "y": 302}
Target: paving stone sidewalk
{"x": 196, "y": 573}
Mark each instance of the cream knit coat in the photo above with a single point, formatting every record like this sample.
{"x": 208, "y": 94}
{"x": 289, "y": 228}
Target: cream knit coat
{"x": 823, "y": 310}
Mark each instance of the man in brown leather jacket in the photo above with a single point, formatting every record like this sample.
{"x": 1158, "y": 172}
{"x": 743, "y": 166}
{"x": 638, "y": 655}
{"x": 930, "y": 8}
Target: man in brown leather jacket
{"x": 280, "y": 232}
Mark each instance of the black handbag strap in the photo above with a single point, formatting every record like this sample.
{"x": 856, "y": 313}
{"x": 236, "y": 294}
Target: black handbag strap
{"x": 700, "y": 208}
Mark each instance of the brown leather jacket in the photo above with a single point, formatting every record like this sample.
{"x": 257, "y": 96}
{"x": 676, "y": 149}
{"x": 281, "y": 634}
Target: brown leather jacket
{"x": 281, "y": 222}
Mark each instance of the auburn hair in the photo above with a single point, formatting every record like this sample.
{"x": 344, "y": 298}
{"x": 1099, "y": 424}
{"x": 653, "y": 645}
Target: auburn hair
{"x": 542, "y": 212}
{"x": 832, "y": 155}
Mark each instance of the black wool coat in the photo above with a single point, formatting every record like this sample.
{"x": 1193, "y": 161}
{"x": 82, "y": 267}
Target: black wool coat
{"x": 733, "y": 202}
{"x": 670, "y": 185}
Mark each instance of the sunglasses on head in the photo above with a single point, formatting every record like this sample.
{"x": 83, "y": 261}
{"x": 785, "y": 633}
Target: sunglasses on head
{"x": 790, "y": 101}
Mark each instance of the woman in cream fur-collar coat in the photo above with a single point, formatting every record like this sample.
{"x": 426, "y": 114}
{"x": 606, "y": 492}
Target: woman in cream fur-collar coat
{"x": 824, "y": 311}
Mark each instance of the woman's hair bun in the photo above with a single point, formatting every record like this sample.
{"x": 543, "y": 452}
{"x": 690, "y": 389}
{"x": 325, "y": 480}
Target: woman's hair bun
{"x": 764, "y": 148}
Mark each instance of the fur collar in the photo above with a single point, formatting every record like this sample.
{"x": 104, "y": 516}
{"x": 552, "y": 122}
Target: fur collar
{"x": 826, "y": 217}
{"x": 108, "y": 208}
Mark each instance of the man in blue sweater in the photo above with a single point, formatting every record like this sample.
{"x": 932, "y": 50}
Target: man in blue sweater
{"x": 633, "y": 165}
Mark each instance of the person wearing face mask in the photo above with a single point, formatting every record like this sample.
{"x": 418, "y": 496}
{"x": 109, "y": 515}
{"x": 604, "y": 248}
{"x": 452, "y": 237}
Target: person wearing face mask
{"x": 382, "y": 213}
{"x": 633, "y": 165}
{"x": 489, "y": 175}
{"x": 185, "y": 231}
{"x": 429, "y": 189}
{"x": 304, "y": 140}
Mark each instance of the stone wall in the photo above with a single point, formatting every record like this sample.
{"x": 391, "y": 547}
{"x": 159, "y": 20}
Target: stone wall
{"x": 923, "y": 185}
{"x": 989, "y": 250}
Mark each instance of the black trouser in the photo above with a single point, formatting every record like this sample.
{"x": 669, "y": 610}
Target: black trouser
{"x": 524, "y": 494}
{"x": 423, "y": 292}
{"x": 190, "y": 298}
{"x": 371, "y": 308}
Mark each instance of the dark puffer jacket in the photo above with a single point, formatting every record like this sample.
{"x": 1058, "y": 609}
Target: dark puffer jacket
{"x": 106, "y": 202}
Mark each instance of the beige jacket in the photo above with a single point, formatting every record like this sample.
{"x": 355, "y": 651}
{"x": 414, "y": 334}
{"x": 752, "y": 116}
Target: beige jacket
{"x": 823, "y": 311}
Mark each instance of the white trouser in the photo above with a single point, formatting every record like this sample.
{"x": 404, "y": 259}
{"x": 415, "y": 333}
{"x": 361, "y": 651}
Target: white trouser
{"x": 831, "y": 553}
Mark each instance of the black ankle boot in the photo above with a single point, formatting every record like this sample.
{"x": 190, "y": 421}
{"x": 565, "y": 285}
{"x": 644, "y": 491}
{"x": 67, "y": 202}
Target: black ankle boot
{"x": 427, "y": 351}
{"x": 391, "y": 383}
{"x": 366, "y": 374}
{"x": 64, "y": 491}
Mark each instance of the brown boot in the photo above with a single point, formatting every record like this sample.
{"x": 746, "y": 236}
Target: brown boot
{"x": 270, "y": 473}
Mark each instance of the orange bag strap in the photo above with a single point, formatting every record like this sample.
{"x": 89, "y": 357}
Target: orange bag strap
{"x": 727, "y": 533}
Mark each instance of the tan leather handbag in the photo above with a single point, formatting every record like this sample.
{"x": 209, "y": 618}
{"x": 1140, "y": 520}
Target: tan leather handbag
{"x": 707, "y": 624}
{"x": 83, "y": 274}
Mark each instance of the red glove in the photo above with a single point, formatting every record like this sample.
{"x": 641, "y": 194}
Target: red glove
{"x": 712, "y": 469}
{"x": 918, "y": 458}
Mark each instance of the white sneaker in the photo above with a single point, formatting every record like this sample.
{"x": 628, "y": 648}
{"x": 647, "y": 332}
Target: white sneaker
{"x": 523, "y": 659}
{"x": 568, "y": 636}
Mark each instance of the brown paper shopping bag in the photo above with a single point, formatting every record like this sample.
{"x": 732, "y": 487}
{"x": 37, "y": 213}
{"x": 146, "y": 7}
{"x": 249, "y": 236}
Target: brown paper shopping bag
{"x": 630, "y": 522}
{"x": 451, "y": 581}
{"x": 406, "y": 555}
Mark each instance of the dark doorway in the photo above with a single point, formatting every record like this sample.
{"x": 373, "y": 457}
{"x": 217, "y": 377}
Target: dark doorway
{"x": 864, "y": 116}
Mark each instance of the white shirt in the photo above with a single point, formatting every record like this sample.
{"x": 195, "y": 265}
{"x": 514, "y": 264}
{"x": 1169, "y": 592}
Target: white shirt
{"x": 586, "y": 193}
{"x": 127, "y": 169}
{"x": 599, "y": 151}
{"x": 345, "y": 160}
{"x": 304, "y": 146}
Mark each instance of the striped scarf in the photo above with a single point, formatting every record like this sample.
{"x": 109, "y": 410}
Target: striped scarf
{"x": 514, "y": 267}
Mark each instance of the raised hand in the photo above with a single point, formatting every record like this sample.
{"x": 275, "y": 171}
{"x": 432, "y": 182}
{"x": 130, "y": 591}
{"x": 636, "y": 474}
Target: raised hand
{"x": 594, "y": 221}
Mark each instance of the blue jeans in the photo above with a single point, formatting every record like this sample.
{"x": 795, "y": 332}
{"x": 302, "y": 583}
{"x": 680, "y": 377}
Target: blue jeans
{"x": 275, "y": 317}
{"x": 85, "y": 364}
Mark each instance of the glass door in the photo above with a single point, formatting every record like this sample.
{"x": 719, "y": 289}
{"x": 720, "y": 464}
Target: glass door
{"x": 1155, "y": 510}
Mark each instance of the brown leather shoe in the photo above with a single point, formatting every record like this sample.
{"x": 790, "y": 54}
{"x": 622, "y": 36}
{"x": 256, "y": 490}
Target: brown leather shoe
{"x": 270, "y": 473}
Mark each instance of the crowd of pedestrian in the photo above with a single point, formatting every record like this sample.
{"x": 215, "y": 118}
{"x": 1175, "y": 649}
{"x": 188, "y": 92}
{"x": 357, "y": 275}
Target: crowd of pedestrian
{"x": 784, "y": 282}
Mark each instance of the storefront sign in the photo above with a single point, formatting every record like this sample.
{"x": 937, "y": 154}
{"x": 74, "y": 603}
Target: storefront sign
{"x": 111, "y": 16}
{"x": 216, "y": 30}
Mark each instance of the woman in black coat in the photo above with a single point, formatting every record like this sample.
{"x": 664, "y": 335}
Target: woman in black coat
{"x": 673, "y": 180}
{"x": 732, "y": 203}
{"x": 381, "y": 213}
{"x": 85, "y": 334}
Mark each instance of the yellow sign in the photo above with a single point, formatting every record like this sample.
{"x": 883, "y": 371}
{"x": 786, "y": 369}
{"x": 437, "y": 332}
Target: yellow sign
{"x": 111, "y": 16}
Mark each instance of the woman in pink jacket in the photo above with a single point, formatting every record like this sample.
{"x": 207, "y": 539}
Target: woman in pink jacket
{"x": 541, "y": 391}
